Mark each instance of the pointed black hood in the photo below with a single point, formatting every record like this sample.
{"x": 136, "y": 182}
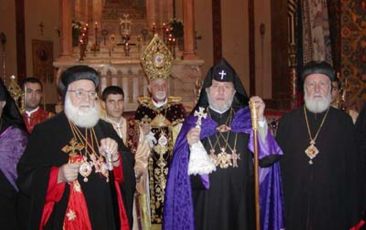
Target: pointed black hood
{"x": 222, "y": 71}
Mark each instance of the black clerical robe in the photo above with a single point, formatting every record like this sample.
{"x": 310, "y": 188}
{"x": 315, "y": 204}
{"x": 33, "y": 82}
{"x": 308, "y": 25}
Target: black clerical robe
{"x": 229, "y": 202}
{"x": 361, "y": 143}
{"x": 44, "y": 152}
{"x": 322, "y": 195}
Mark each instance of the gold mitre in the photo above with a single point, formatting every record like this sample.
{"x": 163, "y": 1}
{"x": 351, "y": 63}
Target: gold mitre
{"x": 157, "y": 59}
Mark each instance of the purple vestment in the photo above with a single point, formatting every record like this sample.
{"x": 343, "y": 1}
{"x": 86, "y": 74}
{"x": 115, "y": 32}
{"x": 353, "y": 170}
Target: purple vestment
{"x": 178, "y": 209}
{"x": 12, "y": 144}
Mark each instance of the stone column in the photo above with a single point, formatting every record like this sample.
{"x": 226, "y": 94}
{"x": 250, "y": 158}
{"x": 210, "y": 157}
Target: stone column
{"x": 97, "y": 11}
{"x": 169, "y": 9}
{"x": 188, "y": 21}
{"x": 126, "y": 89}
{"x": 150, "y": 13}
{"x": 66, "y": 30}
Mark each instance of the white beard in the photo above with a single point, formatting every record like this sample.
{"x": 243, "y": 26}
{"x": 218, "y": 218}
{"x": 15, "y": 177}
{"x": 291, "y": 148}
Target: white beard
{"x": 220, "y": 108}
{"x": 86, "y": 117}
{"x": 317, "y": 105}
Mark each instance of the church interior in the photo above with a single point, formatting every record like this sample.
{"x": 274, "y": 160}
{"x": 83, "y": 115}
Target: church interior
{"x": 267, "y": 42}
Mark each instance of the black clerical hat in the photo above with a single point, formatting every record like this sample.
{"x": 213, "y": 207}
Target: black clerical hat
{"x": 321, "y": 67}
{"x": 75, "y": 73}
{"x": 224, "y": 72}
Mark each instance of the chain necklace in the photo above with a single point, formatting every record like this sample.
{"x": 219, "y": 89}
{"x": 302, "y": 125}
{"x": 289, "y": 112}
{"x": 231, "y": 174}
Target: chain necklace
{"x": 312, "y": 151}
{"x": 90, "y": 158}
{"x": 234, "y": 155}
{"x": 118, "y": 126}
{"x": 223, "y": 159}
{"x": 228, "y": 120}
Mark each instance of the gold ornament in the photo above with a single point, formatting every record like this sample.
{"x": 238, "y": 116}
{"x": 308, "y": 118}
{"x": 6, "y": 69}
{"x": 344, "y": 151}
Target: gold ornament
{"x": 157, "y": 60}
{"x": 312, "y": 151}
{"x": 16, "y": 93}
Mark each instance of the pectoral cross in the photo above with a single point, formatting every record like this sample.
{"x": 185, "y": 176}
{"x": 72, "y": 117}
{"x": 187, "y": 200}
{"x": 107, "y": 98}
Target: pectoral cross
{"x": 311, "y": 151}
{"x": 72, "y": 147}
{"x": 200, "y": 114}
{"x": 235, "y": 157}
{"x": 222, "y": 74}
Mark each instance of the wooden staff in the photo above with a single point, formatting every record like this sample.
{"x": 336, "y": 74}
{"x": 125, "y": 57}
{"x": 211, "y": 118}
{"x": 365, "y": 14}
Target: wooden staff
{"x": 254, "y": 117}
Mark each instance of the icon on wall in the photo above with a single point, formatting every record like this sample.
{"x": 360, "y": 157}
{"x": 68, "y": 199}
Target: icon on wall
{"x": 42, "y": 55}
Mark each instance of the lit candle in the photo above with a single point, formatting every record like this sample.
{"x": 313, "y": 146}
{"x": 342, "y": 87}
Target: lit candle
{"x": 154, "y": 28}
{"x": 96, "y": 33}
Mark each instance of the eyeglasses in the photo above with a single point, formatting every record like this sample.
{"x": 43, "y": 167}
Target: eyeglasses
{"x": 79, "y": 93}
{"x": 312, "y": 85}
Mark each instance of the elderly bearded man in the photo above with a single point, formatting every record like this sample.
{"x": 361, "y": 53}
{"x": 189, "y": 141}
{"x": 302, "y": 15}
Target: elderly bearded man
{"x": 76, "y": 170}
{"x": 217, "y": 193}
{"x": 320, "y": 163}
{"x": 160, "y": 117}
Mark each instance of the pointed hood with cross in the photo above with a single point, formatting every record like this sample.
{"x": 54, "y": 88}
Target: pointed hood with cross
{"x": 222, "y": 71}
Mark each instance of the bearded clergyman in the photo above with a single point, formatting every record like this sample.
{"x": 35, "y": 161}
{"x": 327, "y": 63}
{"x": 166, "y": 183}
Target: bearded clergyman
{"x": 320, "y": 163}
{"x": 160, "y": 118}
{"x": 76, "y": 170}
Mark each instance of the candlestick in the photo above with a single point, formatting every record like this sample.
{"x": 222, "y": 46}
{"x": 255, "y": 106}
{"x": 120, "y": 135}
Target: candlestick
{"x": 96, "y": 33}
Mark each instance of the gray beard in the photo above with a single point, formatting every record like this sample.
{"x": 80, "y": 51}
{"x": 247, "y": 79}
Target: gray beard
{"x": 317, "y": 105}
{"x": 220, "y": 108}
{"x": 84, "y": 118}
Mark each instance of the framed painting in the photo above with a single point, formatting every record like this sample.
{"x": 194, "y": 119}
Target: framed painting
{"x": 42, "y": 56}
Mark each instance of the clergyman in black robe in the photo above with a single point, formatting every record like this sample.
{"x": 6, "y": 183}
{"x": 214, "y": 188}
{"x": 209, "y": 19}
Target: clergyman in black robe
{"x": 75, "y": 169}
{"x": 320, "y": 162}
{"x": 361, "y": 143}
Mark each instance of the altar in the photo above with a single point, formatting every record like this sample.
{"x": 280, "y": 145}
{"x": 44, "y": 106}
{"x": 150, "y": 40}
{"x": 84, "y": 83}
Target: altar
{"x": 112, "y": 35}
{"x": 129, "y": 75}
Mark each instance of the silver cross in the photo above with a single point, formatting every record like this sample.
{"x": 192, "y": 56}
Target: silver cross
{"x": 200, "y": 114}
{"x": 222, "y": 74}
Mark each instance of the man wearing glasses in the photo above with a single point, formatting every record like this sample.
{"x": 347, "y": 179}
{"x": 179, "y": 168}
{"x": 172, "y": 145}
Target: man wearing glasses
{"x": 76, "y": 170}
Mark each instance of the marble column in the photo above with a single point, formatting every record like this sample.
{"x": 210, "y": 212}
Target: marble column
{"x": 150, "y": 13}
{"x": 97, "y": 11}
{"x": 188, "y": 21}
{"x": 66, "y": 30}
{"x": 168, "y": 10}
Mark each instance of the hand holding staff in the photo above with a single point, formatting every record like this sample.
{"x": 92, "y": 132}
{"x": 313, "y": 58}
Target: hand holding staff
{"x": 256, "y": 106}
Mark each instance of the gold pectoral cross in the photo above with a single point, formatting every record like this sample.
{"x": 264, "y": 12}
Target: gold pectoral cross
{"x": 72, "y": 146}
{"x": 224, "y": 159}
{"x": 235, "y": 157}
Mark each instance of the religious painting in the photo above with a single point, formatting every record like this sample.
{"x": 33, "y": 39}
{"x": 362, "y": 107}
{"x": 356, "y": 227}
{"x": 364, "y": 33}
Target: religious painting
{"x": 42, "y": 56}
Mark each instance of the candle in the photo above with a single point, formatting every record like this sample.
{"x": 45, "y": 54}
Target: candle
{"x": 96, "y": 33}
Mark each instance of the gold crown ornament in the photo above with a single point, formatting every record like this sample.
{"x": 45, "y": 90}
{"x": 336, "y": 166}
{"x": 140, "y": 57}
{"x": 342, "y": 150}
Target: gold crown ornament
{"x": 17, "y": 93}
{"x": 157, "y": 59}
